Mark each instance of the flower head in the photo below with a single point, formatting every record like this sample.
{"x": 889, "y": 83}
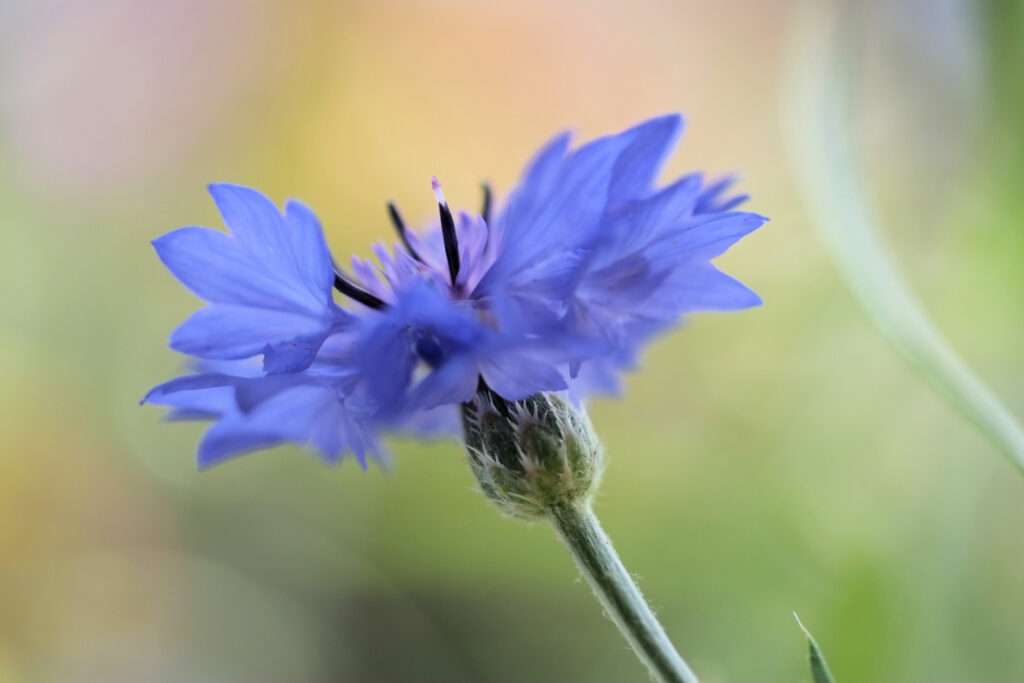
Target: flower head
{"x": 583, "y": 264}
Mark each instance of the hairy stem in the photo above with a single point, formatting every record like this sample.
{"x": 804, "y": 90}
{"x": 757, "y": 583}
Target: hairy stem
{"x": 599, "y": 563}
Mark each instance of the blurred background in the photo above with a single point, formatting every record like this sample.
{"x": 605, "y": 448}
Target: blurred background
{"x": 776, "y": 460}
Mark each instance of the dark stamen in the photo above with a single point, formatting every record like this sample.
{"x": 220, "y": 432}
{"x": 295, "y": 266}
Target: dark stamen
{"x": 355, "y": 292}
{"x": 451, "y": 241}
{"x": 396, "y": 220}
{"x": 485, "y": 212}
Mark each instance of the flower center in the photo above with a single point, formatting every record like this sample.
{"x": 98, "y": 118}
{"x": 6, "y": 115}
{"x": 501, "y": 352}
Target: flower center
{"x": 350, "y": 287}
{"x": 428, "y": 347}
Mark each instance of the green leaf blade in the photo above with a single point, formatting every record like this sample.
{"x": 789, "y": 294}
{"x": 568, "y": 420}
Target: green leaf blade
{"x": 819, "y": 667}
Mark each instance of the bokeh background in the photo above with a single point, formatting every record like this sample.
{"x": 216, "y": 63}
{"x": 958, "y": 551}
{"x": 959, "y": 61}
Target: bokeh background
{"x": 776, "y": 460}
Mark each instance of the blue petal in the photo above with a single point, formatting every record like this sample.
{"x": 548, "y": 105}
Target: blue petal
{"x": 385, "y": 356}
{"x": 270, "y": 282}
{"x": 514, "y": 376}
{"x": 541, "y": 173}
{"x": 199, "y": 402}
{"x": 217, "y": 268}
{"x": 162, "y": 394}
{"x": 227, "y": 439}
{"x": 251, "y": 392}
{"x": 222, "y": 331}
{"x": 312, "y": 257}
{"x": 253, "y": 219}
{"x": 292, "y": 354}
{"x": 702, "y": 287}
{"x": 599, "y": 376}
{"x": 577, "y": 199}
{"x": 453, "y": 383}
{"x": 637, "y": 168}
{"x": 310, "y": 414}
{"x": 442, "y": 422}
{"x": 712, "y": 200}
{"x": 708, "y": 238}
{"x": 552, "y": 214}
{"x": 638, "y": 224}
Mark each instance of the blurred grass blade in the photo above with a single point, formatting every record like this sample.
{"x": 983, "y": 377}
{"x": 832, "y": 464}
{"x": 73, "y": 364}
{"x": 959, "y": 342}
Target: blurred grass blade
{"x": 819, "y": 667}
{"x": 820, "y": 74}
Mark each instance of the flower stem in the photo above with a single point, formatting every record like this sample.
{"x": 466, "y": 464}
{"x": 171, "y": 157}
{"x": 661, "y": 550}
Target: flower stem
{"x": 822, "y": 77}
{"x": 613, "y": 586}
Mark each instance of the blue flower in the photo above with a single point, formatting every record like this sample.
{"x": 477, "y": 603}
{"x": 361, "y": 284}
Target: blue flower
{"x": 559, "y": 291}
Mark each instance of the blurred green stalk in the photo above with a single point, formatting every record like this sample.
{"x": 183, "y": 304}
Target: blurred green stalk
{"x": 820, "y": 72}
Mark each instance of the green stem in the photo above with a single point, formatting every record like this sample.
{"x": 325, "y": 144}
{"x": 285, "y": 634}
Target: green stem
{"x": 821, "y": 76}
{"x": 599, "y": 563}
